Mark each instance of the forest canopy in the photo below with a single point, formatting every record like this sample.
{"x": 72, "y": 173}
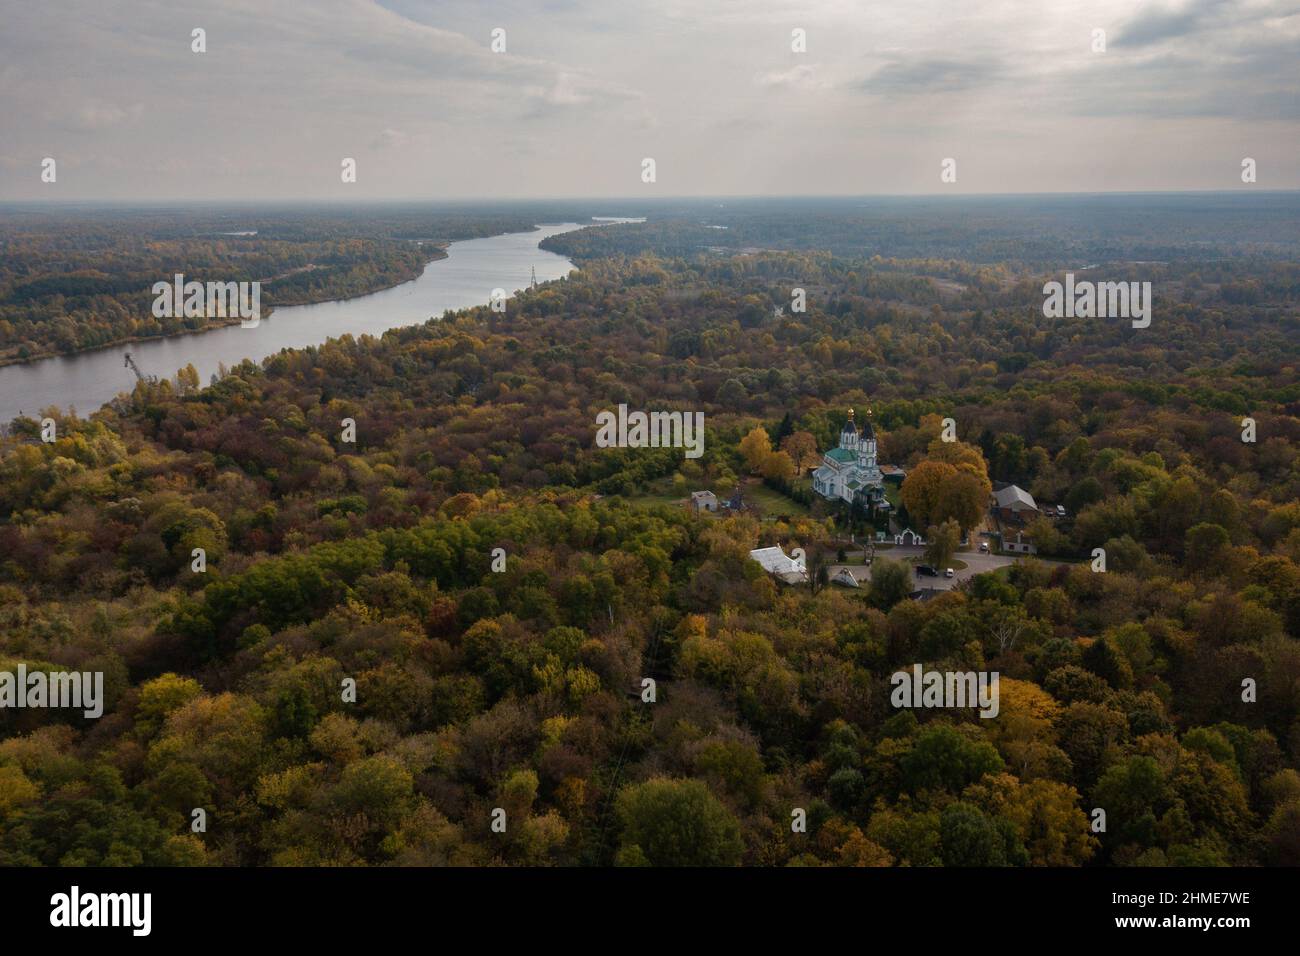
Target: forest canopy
{"x": 477, "y": 690}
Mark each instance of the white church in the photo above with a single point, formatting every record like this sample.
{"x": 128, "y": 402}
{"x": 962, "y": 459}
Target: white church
{"x": 850, "y": 473}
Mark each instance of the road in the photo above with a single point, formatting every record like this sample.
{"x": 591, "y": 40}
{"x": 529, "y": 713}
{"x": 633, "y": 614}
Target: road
{"x": 977, "y": 562}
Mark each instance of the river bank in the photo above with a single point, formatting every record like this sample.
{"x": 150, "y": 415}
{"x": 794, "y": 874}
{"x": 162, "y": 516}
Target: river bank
{"x": 438, "y": 252}
{"x": 464, "y": 275}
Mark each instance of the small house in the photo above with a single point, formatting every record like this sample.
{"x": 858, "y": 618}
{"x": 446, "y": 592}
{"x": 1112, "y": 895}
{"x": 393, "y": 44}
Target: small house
{"x": 1020, "y": 546}
{"x": 704, "y": 501}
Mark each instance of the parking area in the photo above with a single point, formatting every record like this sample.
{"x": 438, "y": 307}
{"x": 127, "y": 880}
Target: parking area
{"x": 977, "y": 562}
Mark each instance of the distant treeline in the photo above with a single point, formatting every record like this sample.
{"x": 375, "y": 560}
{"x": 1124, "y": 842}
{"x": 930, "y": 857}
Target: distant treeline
{"x": 79, "y": 277}
{"x": 1026, "y": 232}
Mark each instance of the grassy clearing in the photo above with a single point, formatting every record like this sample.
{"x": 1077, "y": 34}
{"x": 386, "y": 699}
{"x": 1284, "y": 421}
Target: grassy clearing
{"x": 773, "y": 503}
{"x": 653, "y": 499}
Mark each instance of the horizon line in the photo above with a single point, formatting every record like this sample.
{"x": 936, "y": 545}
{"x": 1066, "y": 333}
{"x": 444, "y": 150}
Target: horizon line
{"x": 481, "y": 200}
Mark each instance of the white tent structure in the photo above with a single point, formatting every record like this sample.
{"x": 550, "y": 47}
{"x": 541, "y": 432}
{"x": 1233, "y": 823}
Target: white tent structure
{"x": 776, "y": 561}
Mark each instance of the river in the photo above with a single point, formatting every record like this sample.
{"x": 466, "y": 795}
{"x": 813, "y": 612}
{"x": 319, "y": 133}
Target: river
{"x": 472, "y": 269}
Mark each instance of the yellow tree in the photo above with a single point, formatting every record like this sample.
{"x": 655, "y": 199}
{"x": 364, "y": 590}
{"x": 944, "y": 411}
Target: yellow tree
{"x": 1045, "y": 813}
{"x": 921, "y": 490}
{"x": 952, "y": 482}
{"x": 778, "y": 466}
{"x": 963, "y": 497}
{"x": 188, "y": 379}
{"x": 756, "y": 447}
{"x": 963, "y": 457}
{"x": 1025, "y": 734}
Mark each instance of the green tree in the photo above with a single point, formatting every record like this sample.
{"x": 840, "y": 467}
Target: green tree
{"x": 968, "y": 838}
{"x": 891, "y": 582}
{"x": 942, "y": 542}
{"x": 1205, "y": 545}
{"x": 678, "y": 823}
{"x": 943, "y": 758}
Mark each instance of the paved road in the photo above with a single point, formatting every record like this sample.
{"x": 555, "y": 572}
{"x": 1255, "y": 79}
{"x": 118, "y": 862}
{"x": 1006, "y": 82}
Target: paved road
{"x": 977, "y": 563}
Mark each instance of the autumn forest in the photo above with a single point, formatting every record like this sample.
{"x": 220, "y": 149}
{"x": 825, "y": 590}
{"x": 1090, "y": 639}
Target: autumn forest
{"x": 448, "y": 616}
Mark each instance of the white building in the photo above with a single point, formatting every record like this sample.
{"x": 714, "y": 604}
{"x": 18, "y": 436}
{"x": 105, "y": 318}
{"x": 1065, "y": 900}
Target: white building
{"x": 846, "y": 577}
{"x": 775, "y": 561}
{"x": 1015, "y": 499}
{"x": 850, "y": 472}
{"x": 1020, "y": 545}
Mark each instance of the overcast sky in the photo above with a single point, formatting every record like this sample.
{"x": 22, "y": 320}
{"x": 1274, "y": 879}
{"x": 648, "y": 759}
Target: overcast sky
{"x": 586, "y": 89}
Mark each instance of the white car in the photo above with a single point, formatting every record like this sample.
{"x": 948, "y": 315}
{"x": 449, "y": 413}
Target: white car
{"x": 948, "y": 572}
{"x": 984, "y": 546}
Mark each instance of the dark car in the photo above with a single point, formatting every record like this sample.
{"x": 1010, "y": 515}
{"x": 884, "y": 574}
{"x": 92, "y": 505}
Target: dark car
{"x": 927, "y": 571}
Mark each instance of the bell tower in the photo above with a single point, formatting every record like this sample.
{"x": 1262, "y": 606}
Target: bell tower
{"x": 849, "y": 434}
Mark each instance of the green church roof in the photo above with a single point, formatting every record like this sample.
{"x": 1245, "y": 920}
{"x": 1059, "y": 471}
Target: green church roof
{"x": 841, "y": 454}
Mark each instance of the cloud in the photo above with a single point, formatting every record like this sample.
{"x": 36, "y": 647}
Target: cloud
{"x": 1240, "y": 66}
{"x": 932, "y": 75}
{"x": 574, "y": 95}
{"x": 1167, "y": 23}
{"x": 802, "y": 77}
{"x": 588, "y": 87}
{"x": 95, "y": 115}
{"x": 566, "y": 90}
